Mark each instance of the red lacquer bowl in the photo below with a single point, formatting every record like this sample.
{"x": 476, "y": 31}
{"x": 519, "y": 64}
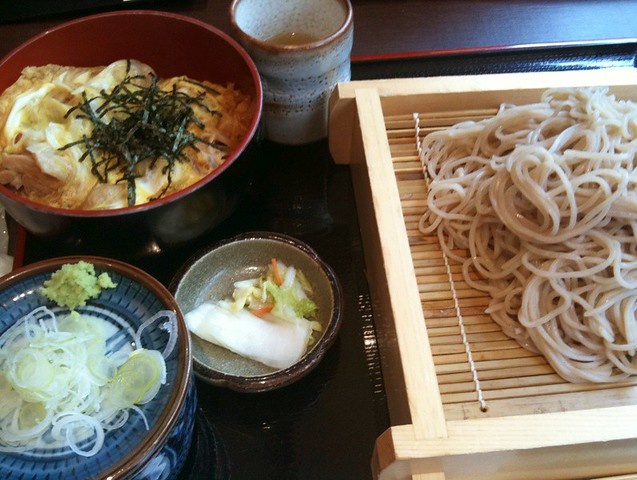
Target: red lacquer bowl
{"x": 172, "y": 45}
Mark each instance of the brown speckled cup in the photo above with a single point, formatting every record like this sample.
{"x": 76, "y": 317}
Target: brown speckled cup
{"x": 302, "y": 50}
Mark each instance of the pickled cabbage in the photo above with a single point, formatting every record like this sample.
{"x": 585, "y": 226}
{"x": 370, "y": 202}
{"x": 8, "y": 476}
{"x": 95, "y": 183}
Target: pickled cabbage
{"x": 269, "y": 319}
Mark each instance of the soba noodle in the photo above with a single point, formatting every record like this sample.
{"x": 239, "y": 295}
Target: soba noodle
{"x": 544, "y": 198}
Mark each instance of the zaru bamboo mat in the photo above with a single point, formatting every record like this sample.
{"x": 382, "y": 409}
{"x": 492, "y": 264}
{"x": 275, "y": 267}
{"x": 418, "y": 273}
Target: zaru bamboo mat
{"x": 480, "y": 371}
{"x": 535, "y": 425}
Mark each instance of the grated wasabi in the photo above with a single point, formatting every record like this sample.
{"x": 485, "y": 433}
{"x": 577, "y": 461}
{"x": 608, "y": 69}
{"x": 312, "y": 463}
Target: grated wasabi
{"x": 75, "y": 283}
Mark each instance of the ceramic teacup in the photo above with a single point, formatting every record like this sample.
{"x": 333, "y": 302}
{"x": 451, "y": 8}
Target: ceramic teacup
{"x": 302, "y": 50}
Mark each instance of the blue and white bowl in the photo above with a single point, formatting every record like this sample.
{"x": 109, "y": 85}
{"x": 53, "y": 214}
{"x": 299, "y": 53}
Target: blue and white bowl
{"x": 132, "y": 451}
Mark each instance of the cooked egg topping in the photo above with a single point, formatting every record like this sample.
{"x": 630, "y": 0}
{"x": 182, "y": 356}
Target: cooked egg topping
{"x": 49, "y": 151}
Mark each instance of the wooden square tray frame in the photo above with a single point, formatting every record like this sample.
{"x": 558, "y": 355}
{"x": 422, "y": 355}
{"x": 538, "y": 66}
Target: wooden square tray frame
{"x": 536, "y": 426}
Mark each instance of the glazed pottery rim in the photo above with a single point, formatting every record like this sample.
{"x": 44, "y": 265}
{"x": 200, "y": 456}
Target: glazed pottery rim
{"x": 334, "y": 37}
{"x": 175, "y": 196}
{"x": 158, "y": 434}
{"x": 283, "y": 377}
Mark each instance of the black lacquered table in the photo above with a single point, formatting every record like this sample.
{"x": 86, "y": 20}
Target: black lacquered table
{"x": 325, "y": 425}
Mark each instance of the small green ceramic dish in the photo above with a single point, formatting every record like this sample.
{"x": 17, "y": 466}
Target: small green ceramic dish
{"x": 211, "y": 274}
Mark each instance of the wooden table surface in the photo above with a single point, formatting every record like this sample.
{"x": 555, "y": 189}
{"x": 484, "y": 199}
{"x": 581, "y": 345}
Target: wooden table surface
{"x": 415, "y": 27}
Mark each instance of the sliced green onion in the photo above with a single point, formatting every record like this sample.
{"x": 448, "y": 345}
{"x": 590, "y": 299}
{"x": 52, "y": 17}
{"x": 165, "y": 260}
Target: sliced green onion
{"x": 142, "y": 372}
{"x": 56, "y": 379}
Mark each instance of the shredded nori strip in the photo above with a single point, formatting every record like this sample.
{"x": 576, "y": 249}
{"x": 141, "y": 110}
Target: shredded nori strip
{"x": 146, "y": 124}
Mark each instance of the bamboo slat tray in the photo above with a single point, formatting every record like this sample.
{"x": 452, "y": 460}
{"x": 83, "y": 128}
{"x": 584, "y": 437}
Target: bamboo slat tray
{"x": 535, "y": 425}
